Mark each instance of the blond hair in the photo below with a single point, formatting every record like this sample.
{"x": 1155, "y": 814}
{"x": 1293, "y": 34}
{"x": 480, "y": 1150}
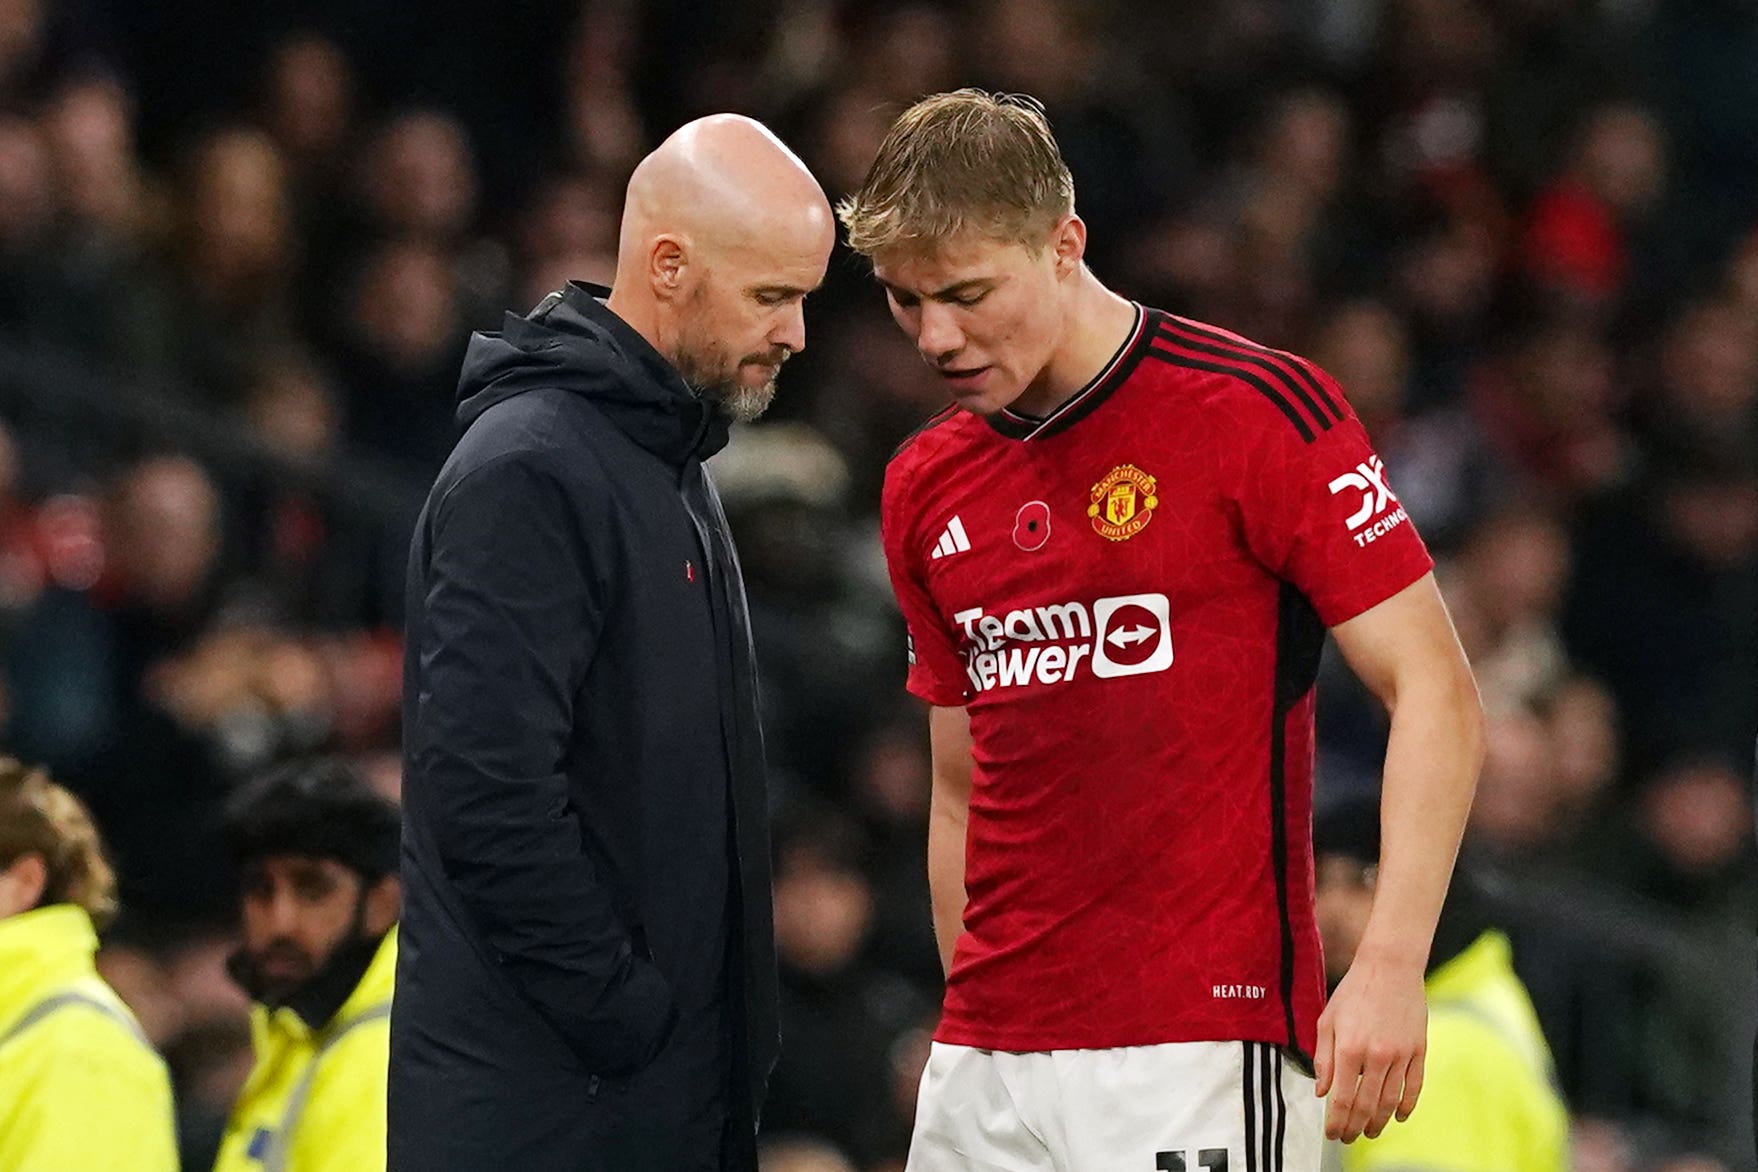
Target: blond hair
{"x": 38, "y": 817}
{"x": 962, "y": 161}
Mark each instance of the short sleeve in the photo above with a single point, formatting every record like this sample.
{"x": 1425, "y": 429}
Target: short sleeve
{"x": 935, "y": 672}
{"x": 1318, "y": 512}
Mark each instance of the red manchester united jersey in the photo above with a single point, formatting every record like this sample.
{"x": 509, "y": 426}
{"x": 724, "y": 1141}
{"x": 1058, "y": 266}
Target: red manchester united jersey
{"x": 1129, "y": 598}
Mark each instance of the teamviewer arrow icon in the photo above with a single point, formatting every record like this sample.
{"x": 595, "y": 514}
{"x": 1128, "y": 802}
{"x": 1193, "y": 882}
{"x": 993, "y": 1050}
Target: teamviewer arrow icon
{"x": 1137, "y": 628}
{"x": 1127, "y": 636}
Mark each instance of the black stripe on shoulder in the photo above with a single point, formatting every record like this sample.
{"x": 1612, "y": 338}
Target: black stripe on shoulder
{"x": 933, "y": 421}
{"x": 1175, "y": 333}
{"x": 1173, "y": 358}
{"x": 1299, "y": 366}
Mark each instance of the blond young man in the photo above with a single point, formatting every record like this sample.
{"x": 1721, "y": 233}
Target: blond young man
{"x": 1118, "y": 554}
{"x": 80, "y": 1085}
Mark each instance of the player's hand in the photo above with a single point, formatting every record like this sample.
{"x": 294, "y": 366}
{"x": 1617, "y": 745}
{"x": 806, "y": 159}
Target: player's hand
{"x": 1371, "y": 1041}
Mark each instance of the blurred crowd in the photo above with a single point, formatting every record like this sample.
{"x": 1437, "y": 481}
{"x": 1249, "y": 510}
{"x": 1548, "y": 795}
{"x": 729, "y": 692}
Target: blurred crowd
{"x": 240, "y": 255}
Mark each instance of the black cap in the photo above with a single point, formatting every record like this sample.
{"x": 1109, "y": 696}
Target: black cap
{"x": 322, "y": 808}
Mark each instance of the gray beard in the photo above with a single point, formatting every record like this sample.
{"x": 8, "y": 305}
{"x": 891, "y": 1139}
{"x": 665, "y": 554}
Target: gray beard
{"x": 739, "y": 403}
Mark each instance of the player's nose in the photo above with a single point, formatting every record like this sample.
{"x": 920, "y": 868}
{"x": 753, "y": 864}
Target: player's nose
{"x": 939, "y": 336}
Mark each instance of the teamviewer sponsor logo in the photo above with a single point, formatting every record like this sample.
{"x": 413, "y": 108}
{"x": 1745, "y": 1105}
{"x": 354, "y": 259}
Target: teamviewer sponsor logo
{"x": 1135, "y": 635}
{"x": 1380, "y": 511}
{"x": 1130, "y": 635}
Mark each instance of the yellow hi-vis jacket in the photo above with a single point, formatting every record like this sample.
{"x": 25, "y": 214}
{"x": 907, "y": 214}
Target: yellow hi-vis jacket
{"x": 1489, "y": 1101}
{"x": 315, "y": 1100}
{"x": 80, "y": 1086}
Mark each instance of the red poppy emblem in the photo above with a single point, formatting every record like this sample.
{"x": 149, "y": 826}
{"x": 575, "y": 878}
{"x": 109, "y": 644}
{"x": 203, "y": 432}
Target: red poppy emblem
{"x": 1031, "y": 528}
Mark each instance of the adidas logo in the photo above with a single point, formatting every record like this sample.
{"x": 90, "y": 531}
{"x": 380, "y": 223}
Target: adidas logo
{"x": 952, "y": 539}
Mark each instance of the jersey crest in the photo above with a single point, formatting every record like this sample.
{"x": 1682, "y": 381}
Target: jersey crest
{"x": 1123, "y": 503}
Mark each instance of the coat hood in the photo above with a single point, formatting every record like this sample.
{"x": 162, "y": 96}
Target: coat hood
{"x": 573, "y": 342}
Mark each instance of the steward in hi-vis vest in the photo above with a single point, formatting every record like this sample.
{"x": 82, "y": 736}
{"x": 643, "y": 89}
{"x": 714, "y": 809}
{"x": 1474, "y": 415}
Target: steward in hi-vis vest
{"x": 317, "y": 849}
{"x": 80, "y": 1085}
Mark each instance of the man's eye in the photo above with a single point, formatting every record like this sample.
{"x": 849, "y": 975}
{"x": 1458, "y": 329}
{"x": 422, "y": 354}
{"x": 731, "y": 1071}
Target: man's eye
{"x": 969, "y": 299}
{"x": 314, "y": 890}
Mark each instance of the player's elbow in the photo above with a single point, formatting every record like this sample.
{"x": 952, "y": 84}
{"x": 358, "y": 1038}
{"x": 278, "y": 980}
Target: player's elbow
{"x": 1465, "y": 704}
{"x": 1458, "y": 707}
{"x": 1440, "y": 693}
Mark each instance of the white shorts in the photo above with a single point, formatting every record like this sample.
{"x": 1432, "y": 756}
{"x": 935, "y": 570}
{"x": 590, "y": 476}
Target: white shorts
{"x": 1180, "y": 1107}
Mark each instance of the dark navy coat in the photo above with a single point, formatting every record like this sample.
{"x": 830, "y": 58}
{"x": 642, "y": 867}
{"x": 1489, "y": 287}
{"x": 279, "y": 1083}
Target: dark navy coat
{"x": 587, "y": 975}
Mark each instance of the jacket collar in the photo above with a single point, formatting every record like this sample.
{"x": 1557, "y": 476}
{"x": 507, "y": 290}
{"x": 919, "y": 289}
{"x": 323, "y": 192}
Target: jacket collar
{"x": 706, "y": 429}
{"x": 41, "y": 951}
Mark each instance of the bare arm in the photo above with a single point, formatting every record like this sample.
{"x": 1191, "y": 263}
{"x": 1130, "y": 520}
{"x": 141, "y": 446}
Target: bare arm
{"x": 949, "y": 738}
{"x": 1372, "y": 1037}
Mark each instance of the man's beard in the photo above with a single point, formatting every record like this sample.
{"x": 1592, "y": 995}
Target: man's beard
{"x": 713, "y": 375}
{"x": 301, "y": 973}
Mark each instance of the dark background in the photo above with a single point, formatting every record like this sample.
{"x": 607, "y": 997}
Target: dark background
{"x": 242, "y": 244}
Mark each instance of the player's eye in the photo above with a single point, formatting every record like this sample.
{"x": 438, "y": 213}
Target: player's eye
{"x": 969, "y": 299}
{"x": 904, "y": 301}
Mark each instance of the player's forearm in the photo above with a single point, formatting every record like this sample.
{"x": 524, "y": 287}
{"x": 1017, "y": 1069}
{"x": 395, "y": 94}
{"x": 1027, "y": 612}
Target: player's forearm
{"x": 946, "y": 837}
{"x": 1432, "y": 760}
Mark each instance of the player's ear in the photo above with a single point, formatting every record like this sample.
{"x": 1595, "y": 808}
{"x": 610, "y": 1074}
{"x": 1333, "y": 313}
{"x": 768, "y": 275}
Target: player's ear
{"x": 667, "y": 266}
{"x": 1069, "y": 242}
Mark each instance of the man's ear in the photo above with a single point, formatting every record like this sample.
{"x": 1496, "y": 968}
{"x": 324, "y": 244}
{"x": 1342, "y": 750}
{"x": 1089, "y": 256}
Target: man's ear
{"x": 1069, "y": 242}
{"x": 384, "y": 905}
{"x": 22, "y": 884}
{"x": 668, "y": 262}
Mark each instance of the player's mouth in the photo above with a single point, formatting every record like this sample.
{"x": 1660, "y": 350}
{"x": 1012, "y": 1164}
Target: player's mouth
{"x": 970, "y": 379}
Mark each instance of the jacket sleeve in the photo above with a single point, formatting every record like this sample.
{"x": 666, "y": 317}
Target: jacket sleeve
{"x": 514, "y": 609}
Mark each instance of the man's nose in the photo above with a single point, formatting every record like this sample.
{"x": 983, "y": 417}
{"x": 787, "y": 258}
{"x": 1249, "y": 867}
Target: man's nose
{"x": 939, "y": 337}
{"x": 281, "y": 910}
{"x": 792, "y": 331}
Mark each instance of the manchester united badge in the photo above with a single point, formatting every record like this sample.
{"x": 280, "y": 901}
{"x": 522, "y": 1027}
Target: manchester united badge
{"x": 1122, "y": 503}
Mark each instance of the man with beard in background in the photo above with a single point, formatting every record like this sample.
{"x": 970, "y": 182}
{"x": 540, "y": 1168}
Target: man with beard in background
{"x": 316, "y": 848}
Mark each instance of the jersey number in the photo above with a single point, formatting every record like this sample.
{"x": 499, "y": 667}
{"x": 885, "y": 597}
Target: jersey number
{"x": 1213, "y": 1159}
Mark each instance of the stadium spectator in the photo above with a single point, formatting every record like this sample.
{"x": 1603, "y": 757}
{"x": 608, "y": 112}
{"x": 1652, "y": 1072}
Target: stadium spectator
{"x": 1576, "y": 237}
{"x": 235, "y": 257}
{"x": 840, "y": 1019}
{"x": 1666, "y": 589}
{"x": 309, "y": 109}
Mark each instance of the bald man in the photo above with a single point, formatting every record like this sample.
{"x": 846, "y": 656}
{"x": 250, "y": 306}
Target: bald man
{"x": 587, "y": 972}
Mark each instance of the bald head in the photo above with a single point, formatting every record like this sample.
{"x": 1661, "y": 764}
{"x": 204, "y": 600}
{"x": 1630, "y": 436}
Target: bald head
{"x": 723, "y": 180}
{"x": 724, "y": 233}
